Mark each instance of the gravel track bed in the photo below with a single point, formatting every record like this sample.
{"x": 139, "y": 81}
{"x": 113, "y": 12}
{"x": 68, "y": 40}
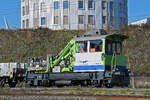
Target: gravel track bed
{"x": 69, "y": 97}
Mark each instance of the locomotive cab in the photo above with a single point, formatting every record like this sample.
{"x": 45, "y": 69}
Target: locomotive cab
{"x": 102, "y": 54}
{"x": 88, "y": 56}
{"x": 99, "y": 53}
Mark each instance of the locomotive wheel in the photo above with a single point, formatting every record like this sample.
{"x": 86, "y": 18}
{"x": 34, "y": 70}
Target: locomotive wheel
{"x": 109, "y": 85}
{"x": 2, "y": 83}
{"x": 97, "y": 83}
{"x": 12, "y": 84}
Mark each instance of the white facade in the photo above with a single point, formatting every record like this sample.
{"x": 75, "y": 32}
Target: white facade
{"x": 73, "y": 14}
{"x": 141, "y": 22}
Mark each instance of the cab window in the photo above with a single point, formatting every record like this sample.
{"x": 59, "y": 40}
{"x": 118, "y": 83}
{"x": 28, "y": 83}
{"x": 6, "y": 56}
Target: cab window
{"x": 96, "y": 46}
{"x": 81, "y": 47}
{"x": 108, "y": 46}
{"x": 119, "y": 47}
{"x": 113, "y": 47}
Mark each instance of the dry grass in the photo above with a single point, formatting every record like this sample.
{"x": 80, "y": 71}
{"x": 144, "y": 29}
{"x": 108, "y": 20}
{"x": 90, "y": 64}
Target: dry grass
{"x": 142, "y": 82}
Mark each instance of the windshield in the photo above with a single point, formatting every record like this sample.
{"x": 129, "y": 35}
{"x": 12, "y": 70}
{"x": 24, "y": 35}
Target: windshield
{"x": 96, "y": 46}
{"x": 113, "y": 46}
{"x": 81, "y": 47}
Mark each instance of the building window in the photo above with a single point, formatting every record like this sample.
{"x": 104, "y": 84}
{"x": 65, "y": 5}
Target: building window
{"x": 43, "y": 7}
{"x": 56, "y": 5}
{"x": 81, "y": 19}
{"x": 111, "y": 5}
{"x": 125, "y": 21}
{"x": 56, "y": 19}
{"x": 35, "y": 12}
{"x": 80, "y": 4}
{"x": 23, "y": 24}
{"x": 91, "y": 19}
{"x": 90, "y": 4}
{"x": 27, "y": 23}
{"x": 112, "y": 8}
{"x": 65, "y": 20}
{"x": 27, "y": 9}
{"x": 122, "y": 21}
{"x": 104, "y": 5}
{"x": 34, "y": 6}
{"x": 121, "y": 7}
{"x": 23, "y": 11}
{"x": 43, "y": 21}
{"x": 104, "y": 19}
{"x": 112, "y": 20}
{"x": 66, "y": 4}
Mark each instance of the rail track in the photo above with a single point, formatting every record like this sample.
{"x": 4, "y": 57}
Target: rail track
{"x": 83, "y": 91}
{"x": 73, "y": 88}
{"x": 36, "y": 89}
{"x": 70, "y": 97}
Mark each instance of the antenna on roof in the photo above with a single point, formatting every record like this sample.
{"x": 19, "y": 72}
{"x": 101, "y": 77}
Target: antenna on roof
{"x": 6, "y": 23}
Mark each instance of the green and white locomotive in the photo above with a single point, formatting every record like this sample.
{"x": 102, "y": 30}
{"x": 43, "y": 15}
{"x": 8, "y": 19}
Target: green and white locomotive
{"x": 92, "y": 59}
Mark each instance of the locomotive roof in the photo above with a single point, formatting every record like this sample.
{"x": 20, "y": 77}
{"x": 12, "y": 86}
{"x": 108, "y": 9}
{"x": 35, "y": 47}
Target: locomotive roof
{"x": 119, "y": 37}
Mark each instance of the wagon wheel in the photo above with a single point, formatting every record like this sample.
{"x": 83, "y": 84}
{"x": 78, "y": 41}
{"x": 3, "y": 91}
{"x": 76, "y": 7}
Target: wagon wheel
{"x": 2, "y": 83}
{"x": 109, "y": 85}
{"x": 12, "y": 84}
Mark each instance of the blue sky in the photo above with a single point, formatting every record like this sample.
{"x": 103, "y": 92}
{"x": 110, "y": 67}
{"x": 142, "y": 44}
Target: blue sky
{"x": 138, "y": 9}
{"x": 10, "y": 9}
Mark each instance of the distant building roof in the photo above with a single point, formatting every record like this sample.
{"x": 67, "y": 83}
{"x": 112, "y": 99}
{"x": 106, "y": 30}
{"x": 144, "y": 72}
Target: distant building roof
{"x": 142, "y": 21}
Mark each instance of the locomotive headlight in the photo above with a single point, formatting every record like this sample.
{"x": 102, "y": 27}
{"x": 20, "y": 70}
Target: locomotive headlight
{"x": 129, "y": 71}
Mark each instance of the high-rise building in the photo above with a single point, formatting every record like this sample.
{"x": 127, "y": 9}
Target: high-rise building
{"x": 74, "y": 14}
